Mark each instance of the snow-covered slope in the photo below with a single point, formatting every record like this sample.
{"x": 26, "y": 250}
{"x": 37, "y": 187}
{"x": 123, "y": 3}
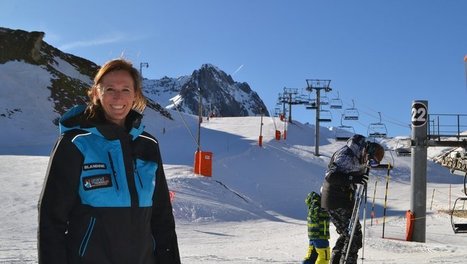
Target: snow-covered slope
{"x": 24, "y": 110}
{"x": 252, "y": 209}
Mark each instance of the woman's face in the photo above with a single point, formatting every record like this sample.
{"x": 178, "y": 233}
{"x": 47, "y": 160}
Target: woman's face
{"x": 117, "y": 94}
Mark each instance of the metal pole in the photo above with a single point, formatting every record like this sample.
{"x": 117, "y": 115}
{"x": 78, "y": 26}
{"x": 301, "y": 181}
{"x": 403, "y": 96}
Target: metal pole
{"x": 418, "y": 172}
{"x": 141, "y": 64}
{"x": 458, "y": 127}
{"x": 290, "y": 107}
{"x": 317, "y": 122}
{"x": 261, "y": 129}
{"x": 200, "y": 118}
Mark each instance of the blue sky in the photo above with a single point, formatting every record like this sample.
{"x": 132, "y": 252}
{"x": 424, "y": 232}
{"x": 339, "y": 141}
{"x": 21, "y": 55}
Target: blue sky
{"x": 381, "y": 54}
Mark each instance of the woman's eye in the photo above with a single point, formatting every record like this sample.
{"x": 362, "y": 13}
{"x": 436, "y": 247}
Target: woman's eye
{"x": 109, "y": 90}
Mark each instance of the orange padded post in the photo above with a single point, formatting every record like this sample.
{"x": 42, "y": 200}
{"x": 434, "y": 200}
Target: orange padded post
{"x": 278, "y": 135}
{"x": 410, "y": 218}
{"x": 203, "y": 163}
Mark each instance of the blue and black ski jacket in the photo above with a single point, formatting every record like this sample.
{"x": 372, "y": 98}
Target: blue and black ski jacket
{"x": 105, "y": 197}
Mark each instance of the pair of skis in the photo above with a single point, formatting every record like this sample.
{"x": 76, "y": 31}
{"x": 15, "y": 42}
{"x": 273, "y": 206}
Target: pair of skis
{"x": 360, "y": 195}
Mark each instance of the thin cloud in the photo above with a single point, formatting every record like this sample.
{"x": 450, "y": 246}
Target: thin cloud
{"x": 237, "y": 70}
{"x": 92, "y": 42}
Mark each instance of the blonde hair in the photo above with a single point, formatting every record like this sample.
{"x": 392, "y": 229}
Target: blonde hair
{"x": 115, "y": 65}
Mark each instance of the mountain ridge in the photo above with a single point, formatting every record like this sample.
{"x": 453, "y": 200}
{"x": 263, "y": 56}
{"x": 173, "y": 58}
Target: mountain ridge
{"x": 70, "y": 77}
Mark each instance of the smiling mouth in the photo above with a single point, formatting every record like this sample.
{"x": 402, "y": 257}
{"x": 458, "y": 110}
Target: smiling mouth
{"x": 117, "y": 107}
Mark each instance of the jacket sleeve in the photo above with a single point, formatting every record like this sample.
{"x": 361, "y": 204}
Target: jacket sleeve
{"x": 59, "y": 194}
{"x": 336, "y": 176}
{"x": 163, "y": 222}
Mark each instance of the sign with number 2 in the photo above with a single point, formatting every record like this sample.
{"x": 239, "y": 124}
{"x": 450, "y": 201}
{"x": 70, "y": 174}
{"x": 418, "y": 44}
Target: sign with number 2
{"x": 419, "y": 114}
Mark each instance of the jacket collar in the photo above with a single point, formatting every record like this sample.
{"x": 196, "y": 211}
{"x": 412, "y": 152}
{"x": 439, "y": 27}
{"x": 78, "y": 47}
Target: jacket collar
{"x": 76, "y": 118}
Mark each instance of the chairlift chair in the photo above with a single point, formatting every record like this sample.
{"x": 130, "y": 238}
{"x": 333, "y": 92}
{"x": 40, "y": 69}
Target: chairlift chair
{"x": 325, "y": 116}
{"x": 351, "y": 113}
{"x": 312, "y": 104}
{"x": 343, "y": 133}
{"x": 403, "y": 148}
{"x": 277, "y": 111}
{"x": 377, "y": 130}
{"x": 459, "y": 216}
{"x": 459, "y": 212}
{"x": 324, "y": 100}
{"x": 336, "y": 103}
{"x": 303, "y": 98}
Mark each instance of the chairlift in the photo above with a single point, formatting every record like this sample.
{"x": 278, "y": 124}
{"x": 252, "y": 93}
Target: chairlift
{"x": 323, "y": 100}
{"x": 312, "y": 104}
{"x": 351, "y": 113}
{"x": 459, "y": 212}
{"x": 303, "y": 98}
{"x": 336, "y": 103}
{"x": 343, "y": 133}
{"x": 277, "y": 111}
{"x": 403, "y": 148}
{"x": 377, "y": 130}
{"x": 325, "y": 116}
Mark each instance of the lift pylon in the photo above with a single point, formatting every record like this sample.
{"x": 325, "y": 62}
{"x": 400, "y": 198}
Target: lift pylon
{"x": 312, "y": 86}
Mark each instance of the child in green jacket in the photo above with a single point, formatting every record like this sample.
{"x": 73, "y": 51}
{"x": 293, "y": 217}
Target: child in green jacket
{"x": 318, "y": 231}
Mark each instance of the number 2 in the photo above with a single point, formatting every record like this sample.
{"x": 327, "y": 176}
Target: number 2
{"x": 419, "y": 115}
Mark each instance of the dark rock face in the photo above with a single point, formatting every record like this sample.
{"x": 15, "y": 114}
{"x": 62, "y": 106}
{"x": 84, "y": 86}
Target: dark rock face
{"x": 221, "y": 95}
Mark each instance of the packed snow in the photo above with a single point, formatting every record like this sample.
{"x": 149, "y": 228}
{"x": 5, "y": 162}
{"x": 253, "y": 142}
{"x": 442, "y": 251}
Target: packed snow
{"x": 252, "y": 209}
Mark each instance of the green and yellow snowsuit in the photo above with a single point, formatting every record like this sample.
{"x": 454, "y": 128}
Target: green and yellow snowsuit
{"x": 318, "y": 231}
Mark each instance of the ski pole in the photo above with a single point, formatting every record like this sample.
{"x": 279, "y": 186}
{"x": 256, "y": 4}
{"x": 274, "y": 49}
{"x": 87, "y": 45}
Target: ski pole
{"x": 386, "y": 199}
{"x": 373, "y": 203}
{"x": 353, "y": 221}
{"x": 361, "y": 189}
{"x": 364, "y": 222}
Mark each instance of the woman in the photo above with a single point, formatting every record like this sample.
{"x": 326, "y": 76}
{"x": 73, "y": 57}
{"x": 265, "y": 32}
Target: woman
{"x": 105, "y": 197}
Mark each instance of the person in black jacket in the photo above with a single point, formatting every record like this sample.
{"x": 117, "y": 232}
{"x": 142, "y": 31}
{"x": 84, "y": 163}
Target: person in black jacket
{"x": 346, "y": 169}
{"x": 105, "y": 198}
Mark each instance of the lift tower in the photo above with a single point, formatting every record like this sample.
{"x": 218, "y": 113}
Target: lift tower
{"x": 317, "y": 85}
{"x": 291, "y": 97}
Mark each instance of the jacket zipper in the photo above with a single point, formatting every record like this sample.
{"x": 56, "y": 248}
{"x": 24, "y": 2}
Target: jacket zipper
{"x": 114, "y": 173}
{"x": 87, "y": 236}
{"x": 138, "y": 176}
